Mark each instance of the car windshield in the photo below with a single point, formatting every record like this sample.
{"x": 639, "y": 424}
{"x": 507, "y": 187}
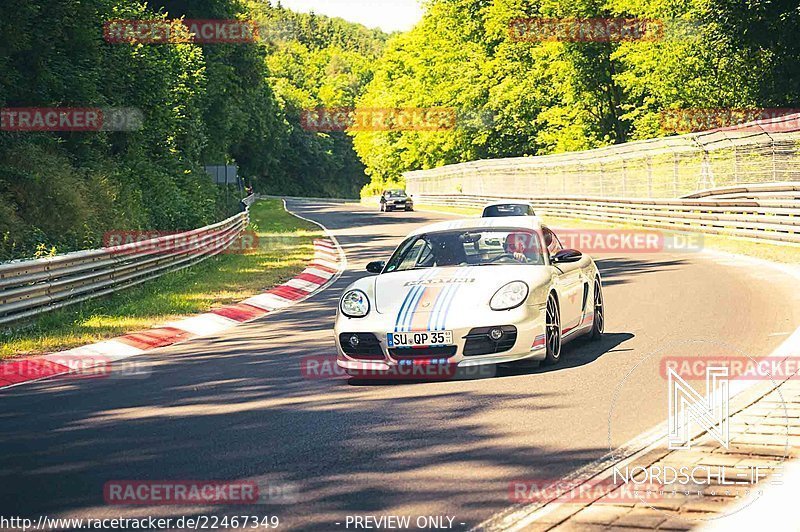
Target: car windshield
{"x": 395, "y": 193}
{"x": 472, "y": 247}
{"x": 495, "y": 211}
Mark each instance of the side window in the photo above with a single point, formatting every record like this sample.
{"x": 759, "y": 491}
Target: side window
{"x": 425, "y": 257}
{"x": 531, "y": 211}
{"x": 551, "y": 241}
{"x": 415, "y": 255}
{"x": 401, "y": 255}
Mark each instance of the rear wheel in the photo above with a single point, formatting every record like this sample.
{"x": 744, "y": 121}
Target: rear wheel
{"x": 552, "y": 331}
{"x": 599, "y": 312}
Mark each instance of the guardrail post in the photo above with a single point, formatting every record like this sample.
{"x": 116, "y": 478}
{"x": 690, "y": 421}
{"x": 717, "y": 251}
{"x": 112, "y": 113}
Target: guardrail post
{"x": 774, "y": 161}
{"x": 602, "y": 180}
{"x": 624, "y": 179}
{"x": 675, "y": 172}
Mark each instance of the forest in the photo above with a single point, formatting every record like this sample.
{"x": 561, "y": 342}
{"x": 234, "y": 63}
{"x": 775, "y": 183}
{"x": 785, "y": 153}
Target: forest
{"x": 201, "y": 104}
{"x": 523, "y": 97}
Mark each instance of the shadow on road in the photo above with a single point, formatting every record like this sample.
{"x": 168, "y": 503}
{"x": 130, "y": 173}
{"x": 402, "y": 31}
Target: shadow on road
{"x": 578, "y": 353}
{"x": 622, "y": 270}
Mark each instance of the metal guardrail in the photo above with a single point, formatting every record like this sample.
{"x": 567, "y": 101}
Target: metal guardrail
{"x": 762, "y": 191}
{"x": 762, "y": 151}
{"x": 29, "y": 288}
{"x": 767, "y": 219}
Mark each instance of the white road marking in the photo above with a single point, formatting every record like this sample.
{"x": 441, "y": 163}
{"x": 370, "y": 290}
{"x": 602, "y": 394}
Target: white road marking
{"x": 300, "y": 284}
{"x": 319, "y": 273}
{"x": 203, "y": 324}
{"x": 268, "y": 302}
{"x": 326, "y": 263}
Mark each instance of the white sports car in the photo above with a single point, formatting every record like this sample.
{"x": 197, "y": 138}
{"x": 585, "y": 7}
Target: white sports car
{"x": 467, "y": 292}
{"x": 507, "y": 208}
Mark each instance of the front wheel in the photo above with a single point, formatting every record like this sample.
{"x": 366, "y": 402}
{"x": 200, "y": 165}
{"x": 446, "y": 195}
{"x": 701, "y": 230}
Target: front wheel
{"x": 552, "y": 331}
{"x": 599, "y": 312}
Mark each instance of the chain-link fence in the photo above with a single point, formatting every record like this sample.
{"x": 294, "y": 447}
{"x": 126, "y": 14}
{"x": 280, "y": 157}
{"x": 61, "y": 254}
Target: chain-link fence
{"x": 756, "y": 152}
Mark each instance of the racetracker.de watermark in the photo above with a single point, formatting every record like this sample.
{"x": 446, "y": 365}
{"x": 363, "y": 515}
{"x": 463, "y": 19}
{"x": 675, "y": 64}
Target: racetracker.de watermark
{"x": 628, "y": 240}
{"x": 771, "y": 120}
{"x": 326, "y": 367}
{"x": 165, "y": 31}
{"x": 70, "y": 119}
{"x": 125, "y": 242}
{"x": 197, "y": 492}
{"x": 73, "y": 366}
{"x": 585, "y": 29}
{"x": 331, "y": 119}
{"x": 594, "y": 491}
{"x": 742, "y": 368}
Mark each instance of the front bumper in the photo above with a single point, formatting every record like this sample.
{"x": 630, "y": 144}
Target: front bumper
{"x": 407, "y": 204}
{"x": 529, "y": 322}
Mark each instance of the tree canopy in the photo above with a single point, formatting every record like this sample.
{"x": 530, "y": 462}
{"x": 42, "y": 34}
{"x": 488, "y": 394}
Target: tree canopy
{"x": 202, "y": 104}
{"x": 520, "y": 97}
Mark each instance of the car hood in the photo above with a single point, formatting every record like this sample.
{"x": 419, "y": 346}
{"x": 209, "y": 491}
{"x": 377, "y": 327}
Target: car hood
{"x": 439, "y": 291}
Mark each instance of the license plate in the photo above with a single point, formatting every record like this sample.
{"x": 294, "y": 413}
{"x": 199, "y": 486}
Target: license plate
{"x": 419, "y": 339}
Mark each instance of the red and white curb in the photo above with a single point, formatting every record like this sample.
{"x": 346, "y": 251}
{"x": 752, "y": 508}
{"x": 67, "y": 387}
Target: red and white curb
{"x": 327, "y": 265}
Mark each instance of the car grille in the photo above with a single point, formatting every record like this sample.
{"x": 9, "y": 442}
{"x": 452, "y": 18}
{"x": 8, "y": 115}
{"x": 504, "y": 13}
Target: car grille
{"x": 368, "y": 348}
{"x": 479, "y": 343}
{"x": 444, "y": 351}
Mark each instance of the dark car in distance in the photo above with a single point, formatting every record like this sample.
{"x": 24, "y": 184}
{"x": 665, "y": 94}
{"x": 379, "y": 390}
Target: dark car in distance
{"x": 396, "y": 199}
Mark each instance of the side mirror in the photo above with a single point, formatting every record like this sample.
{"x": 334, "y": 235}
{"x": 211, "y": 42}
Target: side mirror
{"x": 566, "y": 255}
{"x": 376, "y": 266}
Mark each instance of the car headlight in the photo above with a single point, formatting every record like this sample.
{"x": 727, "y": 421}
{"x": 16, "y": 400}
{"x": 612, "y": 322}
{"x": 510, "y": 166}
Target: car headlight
{"x": 354, "y": 304}
{"x": 509, "y": 296}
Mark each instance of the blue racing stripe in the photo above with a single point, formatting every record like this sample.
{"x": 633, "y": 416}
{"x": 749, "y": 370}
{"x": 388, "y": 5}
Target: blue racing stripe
{"x": 447, "y": 299}
{"x": 408, "y": 299}
{"x": 402, "y": 309}
{"x": 445, "y": 310}
{"x": 405, "y": 323}
{"x": 412, "y": 306}
{"x": 437, "y": 306}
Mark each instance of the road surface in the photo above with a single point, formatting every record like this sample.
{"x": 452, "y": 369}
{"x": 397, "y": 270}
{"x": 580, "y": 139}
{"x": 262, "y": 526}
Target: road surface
{"x": 236, "y": 406}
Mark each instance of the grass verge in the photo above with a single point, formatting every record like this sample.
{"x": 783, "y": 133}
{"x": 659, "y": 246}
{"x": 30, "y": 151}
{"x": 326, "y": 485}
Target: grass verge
{"x": 285, "y": 245}
{"x": 782, "y": 253}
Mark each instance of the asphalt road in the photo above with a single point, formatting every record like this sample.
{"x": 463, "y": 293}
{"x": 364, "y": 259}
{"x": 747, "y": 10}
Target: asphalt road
{"x": 236, "y": 406}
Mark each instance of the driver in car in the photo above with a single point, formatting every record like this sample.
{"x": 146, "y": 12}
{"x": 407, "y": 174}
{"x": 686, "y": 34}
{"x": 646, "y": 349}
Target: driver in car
{"x": 522, "y": 247}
